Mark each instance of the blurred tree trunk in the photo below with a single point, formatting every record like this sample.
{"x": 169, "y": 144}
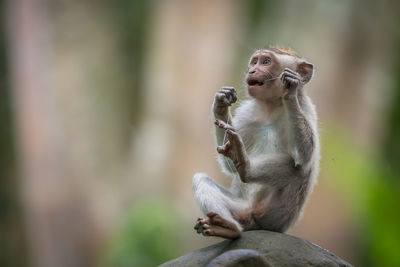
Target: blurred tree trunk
{"x": 391, "y": 143}
{"x": 12, "y": 241}
{"x": 359, "y": 85}
{"x": 70, "y": 108}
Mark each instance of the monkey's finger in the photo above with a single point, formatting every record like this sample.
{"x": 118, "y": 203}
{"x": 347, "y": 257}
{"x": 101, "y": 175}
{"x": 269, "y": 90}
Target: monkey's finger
{"x": 225, "y": 146}
{"x": 287, "y": 70}
{"x": 223, "y": 125}
{"x": 219, "y": 123}
{"x": 230, "y": 88}
{"x": 221, "y": 98}
{"x": 292, "y": 76}
{"x": 233, "y": 94}
{"x": 233, "y": 136}
{"x": 289, "y": 73}
{"x": 291, "y": 83}
{"x": 289, "y": 80}
{"x": 231, "y": 91}
{"x": 224, "y": 90}
{"x": 285, "y": 75}
{"x": 224, "y": 150}
{"x": 230, "y": 95}
{"x": 237, "y": 144}
{"x": 220, "y": 150}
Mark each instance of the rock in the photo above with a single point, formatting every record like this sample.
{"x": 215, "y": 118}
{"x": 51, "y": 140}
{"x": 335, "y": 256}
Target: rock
{"x": 260, "y": 248}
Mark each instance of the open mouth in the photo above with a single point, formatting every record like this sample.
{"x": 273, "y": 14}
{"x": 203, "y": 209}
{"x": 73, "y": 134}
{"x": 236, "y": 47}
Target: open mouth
{"x": 253, "y": 82}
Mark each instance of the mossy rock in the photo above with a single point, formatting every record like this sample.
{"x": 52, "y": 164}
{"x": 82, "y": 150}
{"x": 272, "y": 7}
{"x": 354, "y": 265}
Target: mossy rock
{"x": 260, "y": 248}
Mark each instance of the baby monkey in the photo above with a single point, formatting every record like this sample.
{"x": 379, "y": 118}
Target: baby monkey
{"x": 270, "y": 148}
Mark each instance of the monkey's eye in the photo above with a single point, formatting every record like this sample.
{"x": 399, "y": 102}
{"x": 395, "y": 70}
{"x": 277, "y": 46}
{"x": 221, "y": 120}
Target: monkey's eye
{"x": 267, "y": 61}
{"x": 254, "y": 62}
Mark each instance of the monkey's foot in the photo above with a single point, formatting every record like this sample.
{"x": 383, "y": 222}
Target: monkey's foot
{"x": 215, "y": 225}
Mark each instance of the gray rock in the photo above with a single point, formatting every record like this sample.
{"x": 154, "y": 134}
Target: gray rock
{"x": 260, "y": 248}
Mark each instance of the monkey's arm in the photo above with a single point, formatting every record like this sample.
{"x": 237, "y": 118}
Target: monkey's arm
{"x": 226, "y": 163}
{"x": 223, "y": 99}
{"x": 302, "y": 135}
{"x": 226, "y": 117}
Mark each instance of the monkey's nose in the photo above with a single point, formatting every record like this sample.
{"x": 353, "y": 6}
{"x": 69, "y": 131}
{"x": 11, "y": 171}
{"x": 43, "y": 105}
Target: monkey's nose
{"x": 252, "y": 71}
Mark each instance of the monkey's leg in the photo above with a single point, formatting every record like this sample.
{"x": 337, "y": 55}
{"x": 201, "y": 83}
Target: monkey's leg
{"x": 220, "y": 205}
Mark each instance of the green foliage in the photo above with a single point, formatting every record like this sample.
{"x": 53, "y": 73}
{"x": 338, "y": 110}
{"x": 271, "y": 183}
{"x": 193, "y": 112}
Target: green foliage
{"x": 148, "y": 236}
{"x": 372, "y": 191}
{"x": 391, "y": 147}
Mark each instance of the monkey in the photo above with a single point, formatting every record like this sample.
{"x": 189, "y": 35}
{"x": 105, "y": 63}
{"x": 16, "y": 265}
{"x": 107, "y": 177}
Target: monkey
{"x": 270, "y": 147}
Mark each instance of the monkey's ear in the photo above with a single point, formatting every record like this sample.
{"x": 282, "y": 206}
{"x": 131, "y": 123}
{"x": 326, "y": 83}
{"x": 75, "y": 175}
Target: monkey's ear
{"x": 306, "y": 71}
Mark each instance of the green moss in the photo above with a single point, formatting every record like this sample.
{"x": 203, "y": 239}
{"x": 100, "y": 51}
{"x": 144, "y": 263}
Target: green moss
{"x": 148, "y": 236}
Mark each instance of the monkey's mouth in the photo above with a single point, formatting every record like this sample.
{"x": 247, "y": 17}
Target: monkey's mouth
{"x": 253, "y": 82}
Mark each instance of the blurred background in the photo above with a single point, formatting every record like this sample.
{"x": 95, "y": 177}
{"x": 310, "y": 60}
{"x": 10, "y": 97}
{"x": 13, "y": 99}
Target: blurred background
{"x": 105, "y": 111}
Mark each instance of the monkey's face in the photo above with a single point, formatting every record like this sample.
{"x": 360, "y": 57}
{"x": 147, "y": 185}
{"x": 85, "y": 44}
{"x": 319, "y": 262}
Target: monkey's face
{"x": 264, "y": 70}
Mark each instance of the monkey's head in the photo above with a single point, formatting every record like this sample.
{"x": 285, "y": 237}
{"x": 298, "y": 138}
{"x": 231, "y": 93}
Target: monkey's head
{"x": 264, "y": 70}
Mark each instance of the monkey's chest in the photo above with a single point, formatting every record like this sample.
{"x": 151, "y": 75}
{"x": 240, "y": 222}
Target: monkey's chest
{"x": 267, "y": 139}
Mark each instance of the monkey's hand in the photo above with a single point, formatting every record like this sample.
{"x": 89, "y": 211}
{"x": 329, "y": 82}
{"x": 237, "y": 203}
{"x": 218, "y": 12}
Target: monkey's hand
{"x": 291, "y": 82}
{"x": 235, "y": 150}
{"x": 224, "y": 98}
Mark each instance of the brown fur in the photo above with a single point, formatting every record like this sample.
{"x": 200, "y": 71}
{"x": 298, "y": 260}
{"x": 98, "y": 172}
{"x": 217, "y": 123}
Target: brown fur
{"x": 284, "y": 50}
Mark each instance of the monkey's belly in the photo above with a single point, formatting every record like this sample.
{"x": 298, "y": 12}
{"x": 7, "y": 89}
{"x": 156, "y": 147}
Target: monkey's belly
{"x": 255, "y": 192}
{"x": 269, "y": 210}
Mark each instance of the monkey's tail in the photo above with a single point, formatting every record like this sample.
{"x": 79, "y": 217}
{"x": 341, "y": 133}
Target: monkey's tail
{"x": 239, "y": 258}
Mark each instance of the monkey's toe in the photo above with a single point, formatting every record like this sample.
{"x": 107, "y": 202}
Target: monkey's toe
{"x": 211, "y": 214}
{"x": 216, "y": 230}
{"x": 199, "y": 225}
{"x": 216, "y": 219}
